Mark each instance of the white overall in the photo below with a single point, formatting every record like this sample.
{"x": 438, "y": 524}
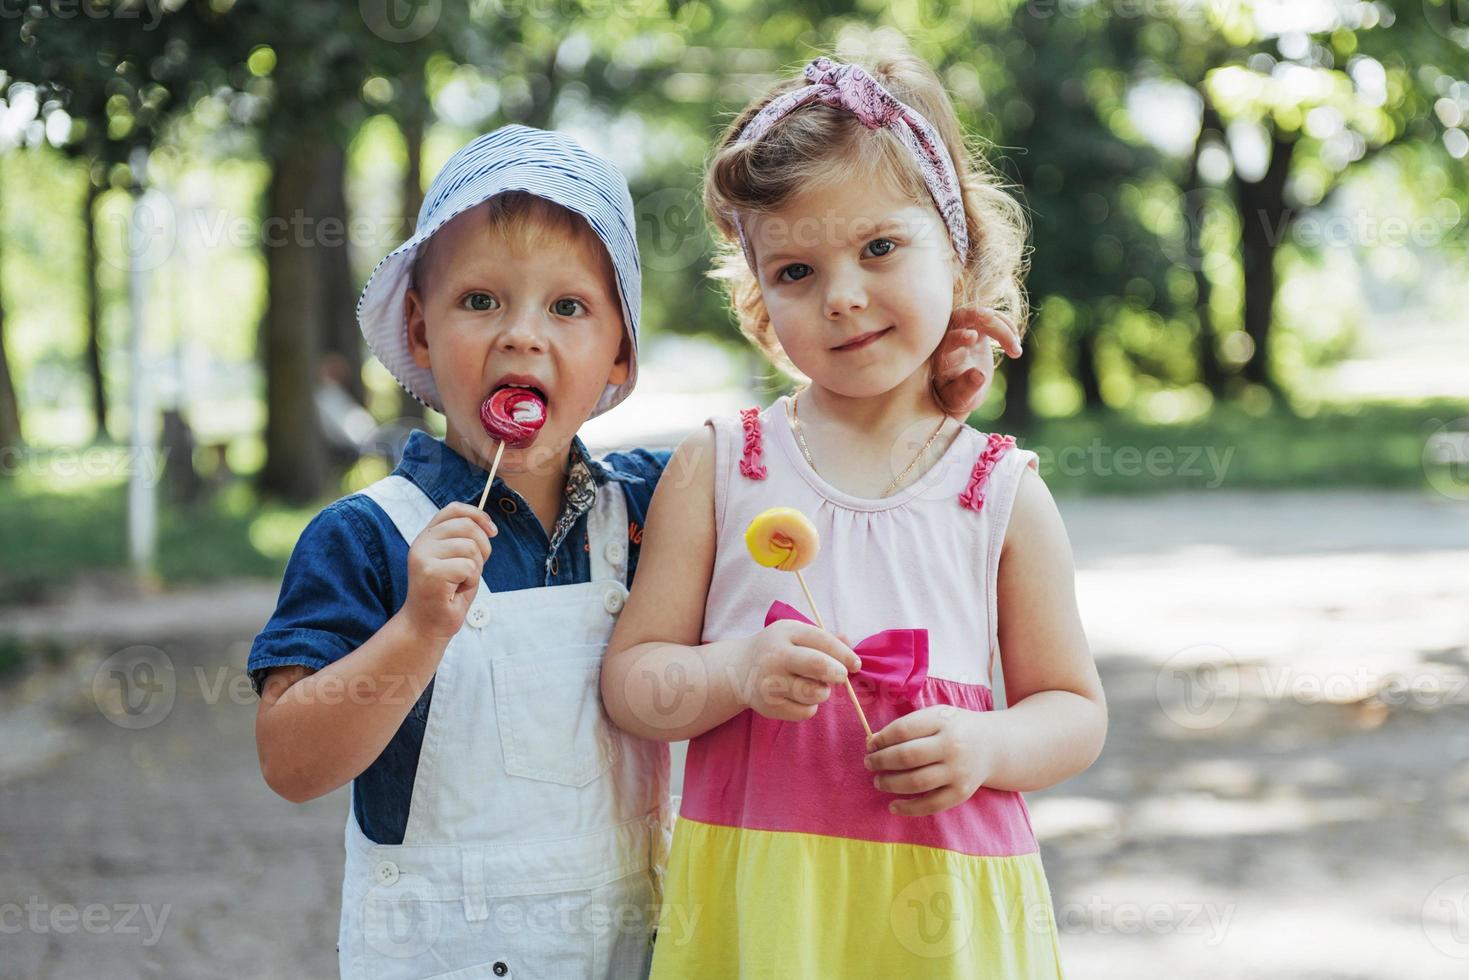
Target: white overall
{"x": 537, "y": 830}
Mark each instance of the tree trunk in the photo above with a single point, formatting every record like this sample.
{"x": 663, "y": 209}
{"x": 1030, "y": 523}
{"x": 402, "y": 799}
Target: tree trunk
{"x": 295, "y": 468}
{"x": 332, "y": 252}
{"x": 1264, "y": 220}
{"x": 1017, "y": 414}
{"x": 1211, "y": 371}
{"x": 412, "y": 122}
{"x": 94, "y": 311}
{"x": 10, "y": 439}
{"x": 1086, "y": 359}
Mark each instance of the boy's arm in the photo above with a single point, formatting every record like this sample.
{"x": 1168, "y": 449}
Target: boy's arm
{"x": 318, "y": 728}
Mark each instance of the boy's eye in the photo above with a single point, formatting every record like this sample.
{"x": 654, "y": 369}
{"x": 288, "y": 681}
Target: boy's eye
{"x": 481, "y": 301}
{"x": 881, "y": 246}
{"x": 792, "y": 273}
{"x": 566, "y": 307}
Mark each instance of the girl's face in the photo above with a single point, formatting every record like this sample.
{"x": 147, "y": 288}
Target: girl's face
{"x": 858, "y": 281}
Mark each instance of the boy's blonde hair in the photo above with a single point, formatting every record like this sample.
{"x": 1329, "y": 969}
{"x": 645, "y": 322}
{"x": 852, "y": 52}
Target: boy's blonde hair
{"x": 527, "y": 222}
{"x": 817, "y": 144}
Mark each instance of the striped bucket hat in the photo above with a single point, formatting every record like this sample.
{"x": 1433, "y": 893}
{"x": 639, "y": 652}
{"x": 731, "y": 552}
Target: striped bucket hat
{"x": 513, "y": 158}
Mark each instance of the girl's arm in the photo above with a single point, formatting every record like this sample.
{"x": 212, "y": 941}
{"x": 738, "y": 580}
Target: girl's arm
{"x": 1057, "y": 721}
{"x": 658, "y": 680}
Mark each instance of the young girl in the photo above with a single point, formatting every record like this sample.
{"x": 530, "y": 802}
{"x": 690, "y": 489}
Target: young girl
{"x": 804, "y": 848}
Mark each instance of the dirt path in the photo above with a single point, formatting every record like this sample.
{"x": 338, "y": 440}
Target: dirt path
{"x": 1258, "y": 810}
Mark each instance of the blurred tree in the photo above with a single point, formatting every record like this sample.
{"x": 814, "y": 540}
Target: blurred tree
{"x": 1302, "y": 97}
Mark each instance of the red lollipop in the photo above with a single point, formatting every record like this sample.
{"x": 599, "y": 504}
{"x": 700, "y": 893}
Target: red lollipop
{"x": 513, "y": 415}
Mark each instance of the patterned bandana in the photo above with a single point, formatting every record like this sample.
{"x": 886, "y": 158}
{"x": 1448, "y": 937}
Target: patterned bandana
{"x": 849, "y": 87}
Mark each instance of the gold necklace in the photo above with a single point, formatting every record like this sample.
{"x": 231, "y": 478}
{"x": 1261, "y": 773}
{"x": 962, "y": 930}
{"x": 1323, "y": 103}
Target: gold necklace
{"x": 795, "y": 418}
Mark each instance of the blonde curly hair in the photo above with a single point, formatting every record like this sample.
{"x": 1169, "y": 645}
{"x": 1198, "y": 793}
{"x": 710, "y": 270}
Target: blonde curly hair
{"x": 816, "y": 144}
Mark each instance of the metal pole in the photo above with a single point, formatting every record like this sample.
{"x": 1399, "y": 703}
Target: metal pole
{"x": 142, "y": 491}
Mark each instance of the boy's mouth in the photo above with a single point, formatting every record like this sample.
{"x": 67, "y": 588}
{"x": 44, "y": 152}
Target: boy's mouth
{"x": 514, "y": 411}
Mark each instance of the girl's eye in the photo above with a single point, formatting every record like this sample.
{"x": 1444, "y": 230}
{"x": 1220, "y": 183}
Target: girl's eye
{"x": 881, "y": 246}
{"x": 566, "y": 307}
{"x": 792, "y": 273}
{"x": 481, "y": 302}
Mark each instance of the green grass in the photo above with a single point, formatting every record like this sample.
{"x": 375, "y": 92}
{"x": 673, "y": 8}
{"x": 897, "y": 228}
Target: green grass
{"x": 50, "y": 538}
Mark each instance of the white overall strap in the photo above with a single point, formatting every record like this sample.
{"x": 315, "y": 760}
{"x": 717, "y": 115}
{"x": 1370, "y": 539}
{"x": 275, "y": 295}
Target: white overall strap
{"x": 408, "y": 507}
{"x": 607, "y": 530}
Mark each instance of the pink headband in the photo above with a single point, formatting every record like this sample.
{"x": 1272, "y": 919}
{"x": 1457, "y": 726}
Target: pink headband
{"x": 849, "y": 87}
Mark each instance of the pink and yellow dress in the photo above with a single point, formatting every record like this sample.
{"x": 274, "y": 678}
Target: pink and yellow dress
{"x": 785, "y": 860}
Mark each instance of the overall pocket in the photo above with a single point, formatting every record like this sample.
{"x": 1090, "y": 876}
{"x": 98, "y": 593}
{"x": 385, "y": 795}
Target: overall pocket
{"x": 552, "y": 726}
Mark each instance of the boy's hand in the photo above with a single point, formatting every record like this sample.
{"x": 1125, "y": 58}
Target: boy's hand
{"x": 942, "y": 752}
{"x": 963, "y": 364}
{"x": 444, "y": 567}
{"x": 788, "y": 668}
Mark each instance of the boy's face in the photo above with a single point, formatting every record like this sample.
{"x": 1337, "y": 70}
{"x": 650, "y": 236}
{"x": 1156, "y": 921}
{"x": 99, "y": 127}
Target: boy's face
{"x": 493, "y": 312}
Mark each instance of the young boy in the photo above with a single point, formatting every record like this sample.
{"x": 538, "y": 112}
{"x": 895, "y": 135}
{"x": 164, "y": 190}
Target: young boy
{"x": 499, "y": 825}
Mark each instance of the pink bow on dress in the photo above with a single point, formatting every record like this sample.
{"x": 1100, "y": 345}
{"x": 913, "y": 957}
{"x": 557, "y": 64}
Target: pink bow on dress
{"x": 894, "y": 662}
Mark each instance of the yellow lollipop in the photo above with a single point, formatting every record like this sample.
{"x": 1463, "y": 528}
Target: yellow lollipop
{"x": 783, "y": 538}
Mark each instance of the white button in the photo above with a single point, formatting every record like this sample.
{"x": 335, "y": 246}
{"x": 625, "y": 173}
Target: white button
{"x": 478, "y": 615}
{"x": 387, "y": 872}
{"x": 615, "y": 552}
{"x": 613, "y": 602}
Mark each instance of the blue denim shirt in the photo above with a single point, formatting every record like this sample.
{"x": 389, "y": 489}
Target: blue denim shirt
{"x": 348, "y": 575}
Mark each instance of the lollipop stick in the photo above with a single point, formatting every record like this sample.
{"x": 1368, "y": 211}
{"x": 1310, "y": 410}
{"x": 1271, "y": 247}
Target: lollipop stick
{"x": 861, "y": 715}
{"x": 493, "y": 467}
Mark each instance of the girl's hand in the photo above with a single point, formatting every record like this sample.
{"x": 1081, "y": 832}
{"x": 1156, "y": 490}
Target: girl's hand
{"x": 787, "y": 669}
{"x": 963, "y": 365}
{"x": 942, "y": 752}
{"x": 444, "y": 566}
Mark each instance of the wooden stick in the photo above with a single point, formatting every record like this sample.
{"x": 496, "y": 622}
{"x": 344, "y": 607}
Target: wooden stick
{"x": 493, "y": 467}
{"x": 861, "y": 715}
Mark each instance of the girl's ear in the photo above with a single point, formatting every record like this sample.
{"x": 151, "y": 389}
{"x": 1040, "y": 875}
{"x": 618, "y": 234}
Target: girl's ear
{"x": 417, "y": 328}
